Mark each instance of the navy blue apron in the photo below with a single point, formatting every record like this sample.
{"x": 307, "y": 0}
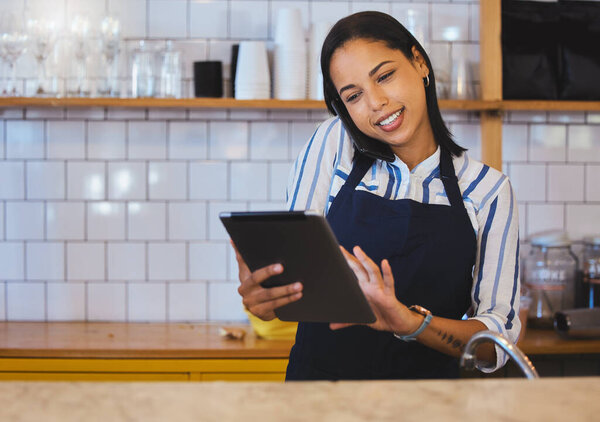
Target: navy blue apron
{"x": 431, "y": 249}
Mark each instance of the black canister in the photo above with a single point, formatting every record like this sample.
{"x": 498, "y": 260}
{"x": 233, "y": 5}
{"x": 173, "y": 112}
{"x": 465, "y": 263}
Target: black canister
{"x": 208, "y": 79}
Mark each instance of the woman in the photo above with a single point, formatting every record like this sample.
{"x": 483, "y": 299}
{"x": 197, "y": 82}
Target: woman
{"x": 433, "y": 228}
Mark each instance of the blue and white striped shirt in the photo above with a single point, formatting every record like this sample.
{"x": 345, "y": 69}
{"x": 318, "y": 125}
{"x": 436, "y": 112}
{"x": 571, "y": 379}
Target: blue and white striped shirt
{"x": 325, "y": 162}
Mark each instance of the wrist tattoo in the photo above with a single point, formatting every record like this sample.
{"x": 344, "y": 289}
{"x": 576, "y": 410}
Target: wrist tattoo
{"x": 451, "y": 340}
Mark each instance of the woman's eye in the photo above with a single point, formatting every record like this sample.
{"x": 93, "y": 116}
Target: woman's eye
{"x": 385, "y": 76}
{"x": 352, "y": 98}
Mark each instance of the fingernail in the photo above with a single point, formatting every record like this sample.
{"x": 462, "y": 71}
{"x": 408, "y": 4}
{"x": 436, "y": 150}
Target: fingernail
{"x": 297, "y": 286}
{"x": 277, "y": 267}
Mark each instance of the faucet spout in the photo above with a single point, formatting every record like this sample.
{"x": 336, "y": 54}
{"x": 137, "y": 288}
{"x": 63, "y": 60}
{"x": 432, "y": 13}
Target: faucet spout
{"x": 468, "y": 359}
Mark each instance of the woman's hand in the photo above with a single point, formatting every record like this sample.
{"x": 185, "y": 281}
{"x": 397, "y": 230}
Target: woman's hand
{"x": 258, "y": 300}
{"x": 378, "y": 287}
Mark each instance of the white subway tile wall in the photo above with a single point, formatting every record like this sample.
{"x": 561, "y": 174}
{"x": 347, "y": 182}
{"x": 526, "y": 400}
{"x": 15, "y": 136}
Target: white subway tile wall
{"x": 65, "y": 220}
{"x": 106, "y": 301}
{"x": 147, "y": 302}
{"x": 187, "y": 301}
{"x": 45, "y": 261}
{"x": 112, "y": 214}
{"x": 65, "y": 301}
{"x": 147, "y": 140}
{"x": 45, "y": 180}
{"x": 26, "y": 301}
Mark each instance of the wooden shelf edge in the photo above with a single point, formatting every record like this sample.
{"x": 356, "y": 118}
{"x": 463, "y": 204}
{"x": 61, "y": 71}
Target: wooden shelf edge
{"x": 160, "y": 103}
{"x": 556, "y": 105}
{"x": 207, "y": 103}
{"x": 232, "y": 103}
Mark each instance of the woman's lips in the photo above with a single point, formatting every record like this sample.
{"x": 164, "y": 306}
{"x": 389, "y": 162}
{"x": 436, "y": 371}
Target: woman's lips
{"x": 394, "y": 124}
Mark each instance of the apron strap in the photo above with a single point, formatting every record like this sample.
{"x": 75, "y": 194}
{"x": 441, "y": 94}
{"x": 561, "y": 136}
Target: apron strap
{"x": 449, "y": 179}
{"x": 362, "y": 164}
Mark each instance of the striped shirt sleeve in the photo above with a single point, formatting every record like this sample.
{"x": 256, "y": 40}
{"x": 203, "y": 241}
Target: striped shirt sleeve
{"x": 496, "y": 285}
{"x": 311, "y": 175}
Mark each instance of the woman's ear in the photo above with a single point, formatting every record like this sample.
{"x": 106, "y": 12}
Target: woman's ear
{"x": 419, "y": 61}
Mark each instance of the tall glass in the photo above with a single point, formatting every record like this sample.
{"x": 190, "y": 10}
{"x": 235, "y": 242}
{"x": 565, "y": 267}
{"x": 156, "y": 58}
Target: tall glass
{"x": 13, "y": 43}
{"x": 110, "y": 45}
{"x": 80, "y": 45}
{"x": 42, "y": 34}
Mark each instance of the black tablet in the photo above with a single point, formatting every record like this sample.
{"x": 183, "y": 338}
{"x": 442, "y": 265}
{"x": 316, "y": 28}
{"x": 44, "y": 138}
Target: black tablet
{"x": 304, "y": 244}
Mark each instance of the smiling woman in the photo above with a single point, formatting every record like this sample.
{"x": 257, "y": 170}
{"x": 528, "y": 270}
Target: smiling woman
{"x": 427, "y": 226}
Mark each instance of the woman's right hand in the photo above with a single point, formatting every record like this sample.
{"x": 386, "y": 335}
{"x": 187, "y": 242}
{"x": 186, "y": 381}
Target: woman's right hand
{"x": 261, "y": 301}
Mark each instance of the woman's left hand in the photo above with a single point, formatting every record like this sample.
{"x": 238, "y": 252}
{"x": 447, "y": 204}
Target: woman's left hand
{"x": 378, "y": 287}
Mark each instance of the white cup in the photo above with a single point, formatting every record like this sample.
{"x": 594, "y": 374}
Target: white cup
{"x": 288, "y": 31}
{"x": 289, "y": 73}
{"x": 252, "y": 69}
{"x": 318, "y": 33}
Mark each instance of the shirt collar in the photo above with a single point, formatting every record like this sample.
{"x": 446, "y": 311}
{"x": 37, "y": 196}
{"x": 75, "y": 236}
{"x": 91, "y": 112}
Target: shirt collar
{"x": 424, "y": 168}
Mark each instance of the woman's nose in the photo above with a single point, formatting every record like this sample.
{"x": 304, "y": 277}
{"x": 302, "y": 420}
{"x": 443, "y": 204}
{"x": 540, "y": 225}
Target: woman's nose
{"x": 378, "y": 100}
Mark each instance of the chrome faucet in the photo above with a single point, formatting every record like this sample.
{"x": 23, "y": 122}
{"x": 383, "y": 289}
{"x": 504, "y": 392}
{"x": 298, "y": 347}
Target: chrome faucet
{"x": 468, "y": 359}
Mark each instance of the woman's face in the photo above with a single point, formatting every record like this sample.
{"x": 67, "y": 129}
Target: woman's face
{"x": 383, "y": 91}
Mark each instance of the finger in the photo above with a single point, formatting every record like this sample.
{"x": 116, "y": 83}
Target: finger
{"x": 254, "y": 280}
{"x": 264, "y": 273}
{"x": 340, "y": 325}
{"x": 388, "y": 277}
{"x": 270, "y": 306}
{"x": 371, "y": 268}
{"x": 356, "y": 266}
{"x": 262, "y": 295}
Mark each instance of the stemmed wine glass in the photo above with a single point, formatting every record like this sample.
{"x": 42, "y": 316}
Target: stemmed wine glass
{"x": 13, "y": 43}
{"x": 110, "y": 31}
{"x": 80, "y": 39}
{"x": 43, "y": 34}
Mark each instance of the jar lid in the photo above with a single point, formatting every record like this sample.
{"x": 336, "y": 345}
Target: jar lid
{"x": 592, "y": 240}
{"x": 550, "y": 239}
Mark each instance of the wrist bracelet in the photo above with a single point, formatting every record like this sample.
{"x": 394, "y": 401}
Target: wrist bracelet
{"x": 424, "y": 324}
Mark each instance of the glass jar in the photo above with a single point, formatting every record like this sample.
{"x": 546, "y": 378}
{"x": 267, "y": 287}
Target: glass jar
{"x": 550, "y": 271}
{"x": 143, "y": 72}
{"x": 591, "y": 271}
{"x": 170, "y": 72}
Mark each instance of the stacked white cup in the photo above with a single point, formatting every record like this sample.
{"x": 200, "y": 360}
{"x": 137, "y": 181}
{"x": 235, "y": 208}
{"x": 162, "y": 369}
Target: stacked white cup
{"x": 252, "y": 78}
{"x": 318, "y": 32}
{"x": 289, "y": 58}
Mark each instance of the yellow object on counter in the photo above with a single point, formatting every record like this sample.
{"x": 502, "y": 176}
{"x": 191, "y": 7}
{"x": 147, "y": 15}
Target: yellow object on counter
{"x": 275, "y": 329}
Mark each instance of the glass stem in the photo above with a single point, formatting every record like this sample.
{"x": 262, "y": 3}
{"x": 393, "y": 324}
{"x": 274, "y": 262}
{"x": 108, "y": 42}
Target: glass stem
{"x": 80, "y": 76}
{"x": 13, "y": 79}
{"x": 41, "y": 77}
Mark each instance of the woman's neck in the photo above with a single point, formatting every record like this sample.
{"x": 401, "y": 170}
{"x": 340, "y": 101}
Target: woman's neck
{"x": 415, "y": 153}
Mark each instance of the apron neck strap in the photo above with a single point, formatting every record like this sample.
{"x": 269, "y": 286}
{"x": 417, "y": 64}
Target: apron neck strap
{"x": 448, "y": 175}
{"x": 362, "y": 164}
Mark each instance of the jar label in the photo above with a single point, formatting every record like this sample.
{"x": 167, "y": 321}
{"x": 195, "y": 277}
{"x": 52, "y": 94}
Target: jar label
{"x": 547, "y": 279}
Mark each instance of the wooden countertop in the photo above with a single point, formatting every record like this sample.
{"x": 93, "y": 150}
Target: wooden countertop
{"x": 132, "y": 340}
{"x": 547, "y": 399}
{"x": 158, "y": 340}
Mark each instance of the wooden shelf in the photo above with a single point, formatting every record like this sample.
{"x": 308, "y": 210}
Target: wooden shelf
{"x": 550, "y": 105}
{"x": 161, "y": 103}
{"x": 207, "y": 103}
{"x": 232, "y": 103}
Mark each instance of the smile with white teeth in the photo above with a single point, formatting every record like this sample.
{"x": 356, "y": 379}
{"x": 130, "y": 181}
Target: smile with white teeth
{"x": 391, "y": 119}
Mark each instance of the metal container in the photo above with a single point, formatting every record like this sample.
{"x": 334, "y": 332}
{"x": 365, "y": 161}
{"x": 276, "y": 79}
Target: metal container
{"x": 591, "y": 272}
